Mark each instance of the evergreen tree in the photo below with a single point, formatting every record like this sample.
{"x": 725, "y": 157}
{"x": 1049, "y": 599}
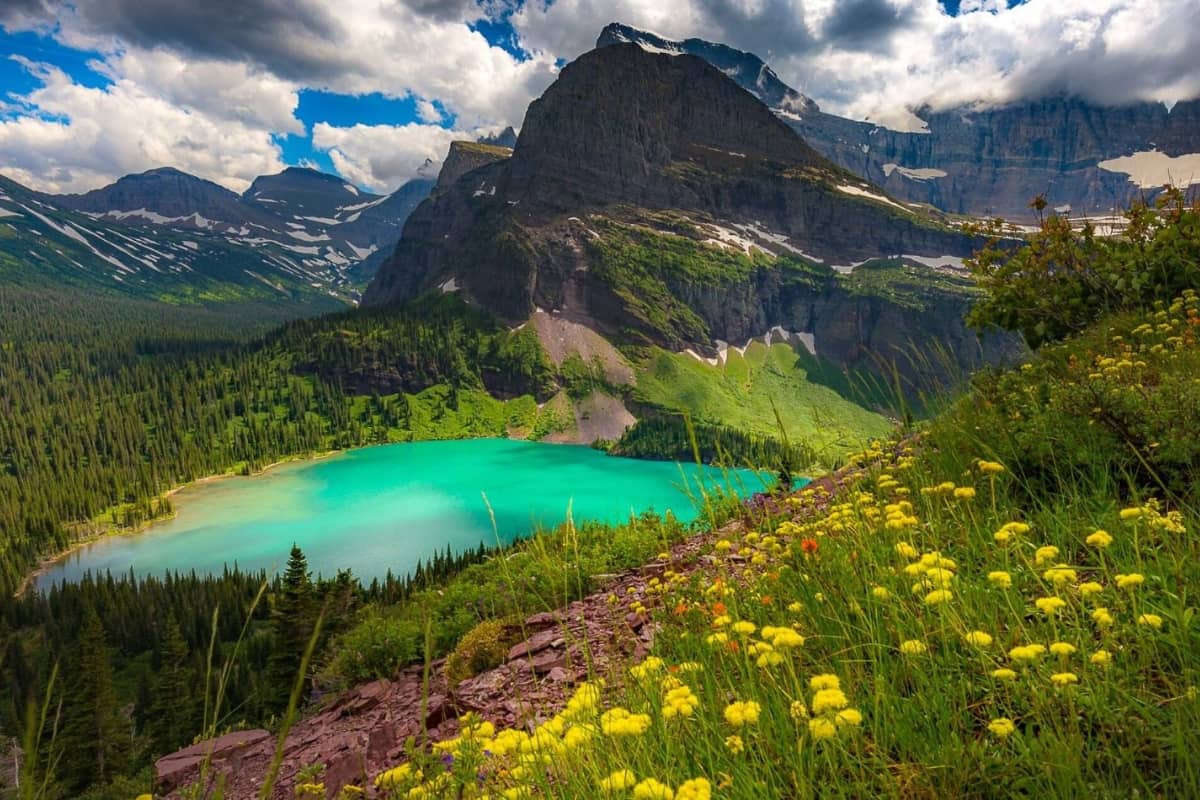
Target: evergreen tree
{"x": 171, "y": 721}
{"x": 94, "y": 737}
{"x": 292, "y": 623}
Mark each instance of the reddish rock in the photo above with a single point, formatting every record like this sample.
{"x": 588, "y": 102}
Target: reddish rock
{"x": 174, "y": 770}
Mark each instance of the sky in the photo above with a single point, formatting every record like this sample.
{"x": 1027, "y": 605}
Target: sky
{"x": 370, "y": 89}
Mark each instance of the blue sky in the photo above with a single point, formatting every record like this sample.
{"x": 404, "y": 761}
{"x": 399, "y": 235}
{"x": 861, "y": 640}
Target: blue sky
{"x": 372, "y": 90}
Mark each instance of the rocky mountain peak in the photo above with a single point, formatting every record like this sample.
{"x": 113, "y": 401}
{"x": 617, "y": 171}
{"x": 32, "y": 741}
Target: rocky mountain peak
{"x": 609, "y": 129}
{"x": 164, "y": 192}
{"x": 747, "y": 69}
{"x": 465, "y": 157}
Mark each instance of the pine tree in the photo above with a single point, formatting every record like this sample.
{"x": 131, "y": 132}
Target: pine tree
{"x": 94, "y": 738}
{"x": 292, "y": 623}
{"x": 170, "y": 720}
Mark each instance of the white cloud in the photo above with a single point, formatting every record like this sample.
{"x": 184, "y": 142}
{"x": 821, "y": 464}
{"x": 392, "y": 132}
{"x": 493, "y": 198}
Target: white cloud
{"x": 199, "y": 88}
{"x": 382, "y": 157}
{"x": 81, "y": 137}
{"x": 428, "y": 112}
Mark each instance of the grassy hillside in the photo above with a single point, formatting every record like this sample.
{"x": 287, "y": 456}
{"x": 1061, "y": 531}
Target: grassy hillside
{"x": 968, "y": 617}
{"x": 747, "y": 389}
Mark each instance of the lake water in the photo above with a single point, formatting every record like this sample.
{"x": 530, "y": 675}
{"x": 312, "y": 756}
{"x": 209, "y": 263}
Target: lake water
{"x": 387, "y": 507}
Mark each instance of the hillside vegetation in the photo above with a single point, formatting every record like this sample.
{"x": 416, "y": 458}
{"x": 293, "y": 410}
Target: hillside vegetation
{"x": 1001, "y": 605}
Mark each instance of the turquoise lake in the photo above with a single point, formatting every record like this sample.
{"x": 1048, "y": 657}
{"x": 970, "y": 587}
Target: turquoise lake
{"x": 387, "y": 507}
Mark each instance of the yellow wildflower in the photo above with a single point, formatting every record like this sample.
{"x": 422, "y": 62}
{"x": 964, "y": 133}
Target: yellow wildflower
{"x": 1002, "y": 727}
{"x": 1004, "y": 674}
{"x": 396, "y": 776}
{"x": 1045, "y": 555}
{"x": 824, "y": 681}
{"x": 798, "y": 710}
{"x": 1100, "y": 539}
{"x": 784, "y": 638}
{"x": 619, "y": 722}
{"x": 735, "y": 744}
{"x": 1152, "y": 620}
{"x": 1028, "y": 652}
{"x": 1050, "y": 605}
{"x": 978, "y": 638}
{"x": 1130, "y": 581}
{"x": 1101, "y": 658}
{"x": 650, "y": 668}
{"x": 652, "y": 789}
{"x": 906, "y": 550}
{"x": 964, "y": 493}
{"x": 880, "y": 593}
{"x": 829, "y": 700}
{"x": 1064, "y": 678}
{"x": 744, "y": 628}
{"x": 1103, "y": 617}
{"x": 1131, "y": 513}
{"x": 619, "y": 780}
{"x": 913, "y": 647}
{"x": 990, "y": 467}
{"x": 848, "y": 717}
{"x": 1000, "y": 578}
{"x": 695, "y": 789}
{"x": 679, "y": 702}
{"x": 1089, "y": 588}
{"x": 1060, "y": 574}
{"x": 1062, "y": 649}
{"x": 821, "y": 728}
{"x": 742, "y": 713}
{"x": 938, "y": 596}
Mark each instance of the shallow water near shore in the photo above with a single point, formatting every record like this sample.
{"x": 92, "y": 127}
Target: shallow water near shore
{"x": 384, "y": 508}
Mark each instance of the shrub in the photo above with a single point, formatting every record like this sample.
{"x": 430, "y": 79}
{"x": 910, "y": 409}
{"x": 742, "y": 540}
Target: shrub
{"x": 1062, "y": 280}
{"x": 376, "y": 647}
{"x": 1119, "y": 406}
{"x": 485, "y": 646}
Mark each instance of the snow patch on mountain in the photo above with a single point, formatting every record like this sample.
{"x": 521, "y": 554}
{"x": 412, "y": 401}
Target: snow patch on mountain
{"x": 1151, "y": 169}
{"x": 916, "y": 174}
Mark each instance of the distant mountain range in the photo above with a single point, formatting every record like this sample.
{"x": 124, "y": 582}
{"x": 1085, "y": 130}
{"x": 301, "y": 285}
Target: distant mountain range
{"x": 1083, "y": 158}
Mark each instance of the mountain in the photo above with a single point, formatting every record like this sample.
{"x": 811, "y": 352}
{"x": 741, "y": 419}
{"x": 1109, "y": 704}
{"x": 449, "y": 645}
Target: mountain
{"x": 151, "y": 255}
{"x": 332, "y": 230}
{"x": 1084, "y": 158}
{"x": 651, "y": 199}
{"x": 505, "y": 138}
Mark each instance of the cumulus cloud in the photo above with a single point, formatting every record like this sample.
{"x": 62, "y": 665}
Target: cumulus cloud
{"x": 382, "y": 157}
{"x": 76, "y": 137}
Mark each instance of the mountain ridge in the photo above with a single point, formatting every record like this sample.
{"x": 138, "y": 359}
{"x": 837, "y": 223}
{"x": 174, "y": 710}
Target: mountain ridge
{"x": 979, "y": 162}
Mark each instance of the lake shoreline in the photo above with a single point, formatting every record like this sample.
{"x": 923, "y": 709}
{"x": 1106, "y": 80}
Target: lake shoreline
{"x": 107, "y": 530}
{"x": 70, "y": 561}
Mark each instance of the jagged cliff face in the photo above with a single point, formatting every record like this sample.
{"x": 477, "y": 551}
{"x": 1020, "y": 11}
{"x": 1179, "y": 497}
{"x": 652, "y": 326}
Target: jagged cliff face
{"x": 980, "y": 162}
{"x": 994, "y": 162}
{"x": 631, "y": 152}
{"x": 465, "y": 157}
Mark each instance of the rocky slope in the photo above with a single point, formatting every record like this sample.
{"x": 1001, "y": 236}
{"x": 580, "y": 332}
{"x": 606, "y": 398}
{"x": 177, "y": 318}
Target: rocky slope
{"x": 632, "y": 155}
{"x": 981, "y": 162}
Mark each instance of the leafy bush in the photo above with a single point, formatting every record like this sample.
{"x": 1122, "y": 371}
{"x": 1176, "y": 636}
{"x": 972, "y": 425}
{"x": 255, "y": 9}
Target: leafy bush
{"x": 485, "y": 646}
{"x": 378, "y": 646}
{"x": 1063, "y": 279}
{"x": 1119, "y": 405}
